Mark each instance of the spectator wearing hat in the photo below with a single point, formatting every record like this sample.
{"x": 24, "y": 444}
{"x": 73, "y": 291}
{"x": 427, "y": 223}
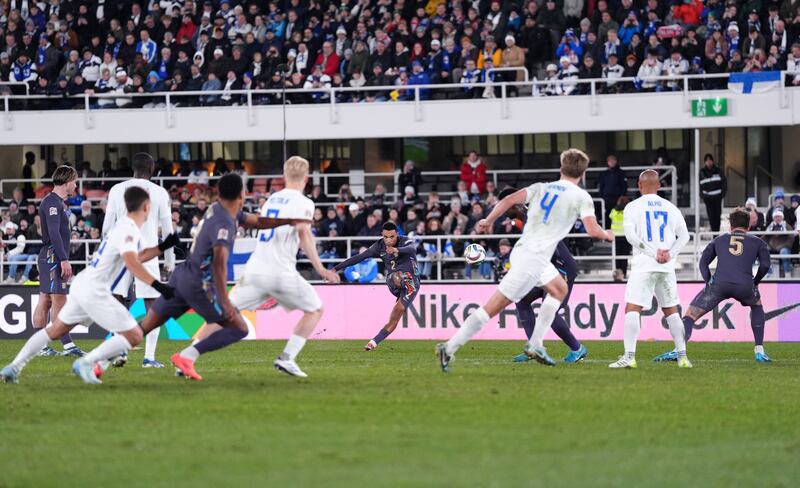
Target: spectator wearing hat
{"x": 567, "y": 76}
{"x": 319, "y": 82}
{"x": 439, "y": 65}
{"x": 553, "y": 85}
{"x": 536, "y": 43}
{"x": 713, "y": 187}
{"x": 630, "y": 26}
{"x": 758, "y": 224}
{"x": 734, "y": 39}
{"x": 490, "y": 52}
{"x": 612, "y": 71}
{"x": 513, "y": 57}
{"x": 5, "y": 66}
{"x": 754, "y": 41}
{"x": 781, "y": 243}
{"x": 420, "y": 77}
{"x": 675, "y": 67}
{"x": 355, "y": 220}
{"x": 779, "y": 204}
{"x": 24, "y": 70}
{"x": 47, "y": 58}
{"x": 569, "y": 44}
{"x": 469, "y": 76}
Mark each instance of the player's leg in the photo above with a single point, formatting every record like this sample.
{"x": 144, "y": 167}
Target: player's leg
{"x": 40, "y": 318}
{"x": 708, "y": 298}
{"x": 556, "y": 288}
{"x": 405, "y": 287}
{"x": 32, "y": 348}
{"x": 70, "y": 349}
{"x": 639, "y": 293}
{"x": 666, "y": 292}
{"x": 151, "y": 342}
{"x": 750, "y": 297}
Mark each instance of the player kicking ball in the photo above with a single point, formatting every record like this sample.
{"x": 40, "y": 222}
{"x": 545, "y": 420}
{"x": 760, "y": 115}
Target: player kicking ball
{"x": 271, "y": 271}
{"x": 90, "y": 299}
{"x": 399, "y": 256}
{"x": 735, "y": 252}
{"x": 552, "y": 211}
{"x": 657, "y": 232}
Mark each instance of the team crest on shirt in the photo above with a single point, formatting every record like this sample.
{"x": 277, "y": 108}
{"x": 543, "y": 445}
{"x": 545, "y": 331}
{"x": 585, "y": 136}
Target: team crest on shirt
{"x": 53, "y": 211}
{"x": 128, "y": 238}
{"x": 222, "y": 234}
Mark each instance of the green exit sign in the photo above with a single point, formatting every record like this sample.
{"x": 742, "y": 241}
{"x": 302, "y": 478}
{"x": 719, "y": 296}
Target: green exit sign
{"x": 710, "y": 107}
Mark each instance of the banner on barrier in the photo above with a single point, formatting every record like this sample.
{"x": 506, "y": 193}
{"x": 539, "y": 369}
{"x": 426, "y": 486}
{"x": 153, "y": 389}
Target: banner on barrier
{"x": 595, "y": 312}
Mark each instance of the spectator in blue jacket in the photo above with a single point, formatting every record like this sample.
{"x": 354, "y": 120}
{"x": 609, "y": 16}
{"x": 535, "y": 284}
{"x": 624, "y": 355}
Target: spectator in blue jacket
{"x": 420, "y": 77}
{"x": 612, "y": 184}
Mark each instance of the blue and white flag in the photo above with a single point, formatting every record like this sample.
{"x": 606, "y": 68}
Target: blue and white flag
{"x": 242, "y": 249}
{"x": 754, "y": 82}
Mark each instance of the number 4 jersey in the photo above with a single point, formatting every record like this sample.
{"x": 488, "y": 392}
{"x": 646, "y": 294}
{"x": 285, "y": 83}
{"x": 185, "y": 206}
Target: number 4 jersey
{"x": 553, "y": 209}
{"x": 276, "y": 249}
{"x": 652, "y": 223}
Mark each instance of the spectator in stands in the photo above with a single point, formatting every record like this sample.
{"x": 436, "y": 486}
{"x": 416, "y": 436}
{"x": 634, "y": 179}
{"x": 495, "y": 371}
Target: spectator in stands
{"x": 779, "y": 205}
{"x": 198, "y": 175}
{"x": 16, "y": 252}
{"x": 612, "y": 184}
{"x": 455, "y": 219}
{"x": 502, "y": 260}
{"x": 410, "y": 176}
{"x": 713, "y": 187}
{"x": 623, "y": 247}
{"x": 782, "y": 243}
{"x": 473, "y": 173}
{"x": 759, "y": 224}
{"x": 355, "y": 220}
{"x": 18, "y": 198}
{"x": 28, "y": 173}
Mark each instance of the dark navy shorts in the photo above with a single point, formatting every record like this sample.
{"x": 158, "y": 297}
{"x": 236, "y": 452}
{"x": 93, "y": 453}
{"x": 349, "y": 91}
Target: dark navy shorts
{"x": 715, "y": 293}
{"x": 408, "y": 289}
{"x": 50, "y": 280}
{"x": 190, "y": 293}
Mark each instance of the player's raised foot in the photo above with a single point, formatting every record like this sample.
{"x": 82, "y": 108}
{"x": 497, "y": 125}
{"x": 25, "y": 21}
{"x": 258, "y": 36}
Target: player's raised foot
{"x": 49, "y": 352}
{"x": 683, "y": 362}
{"x": 85, "y": 371}
{"x": 185, "y": 366}
{"x": 521, "y": 358}
{"x": 9, "y": 375}
{"x": 120, "y": 360}
{"x": 539, "y": 354}
{"x": 370, "y": 345}
{"x": 666, "y": 357}
{"x": 761, "y": 357}
{"x": 289, "y": 367}
{"x": 576, "y": 356}
{"x": 73, "y": 351}
{"x": 151, "y": 363}
{"x": 444, "y": 358}
{"x": 624, "y": 362}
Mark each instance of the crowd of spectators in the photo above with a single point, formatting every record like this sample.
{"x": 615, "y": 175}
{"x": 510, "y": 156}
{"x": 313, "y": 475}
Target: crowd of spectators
{"x": 70, "y": 47}
{"x": 425, "y": 219}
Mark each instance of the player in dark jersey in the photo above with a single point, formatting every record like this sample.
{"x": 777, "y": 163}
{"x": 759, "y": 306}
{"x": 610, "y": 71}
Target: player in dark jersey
{"x": 201, "y": 281}
{"x": 399, "y": 255}
{"x": 566, "y": 265}
{"x": 54, "y": 268}
{"x": 735, "y": 253}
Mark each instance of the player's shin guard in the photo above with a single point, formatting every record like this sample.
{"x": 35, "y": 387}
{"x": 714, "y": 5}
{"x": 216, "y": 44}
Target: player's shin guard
{"x": 111, "y": 348}
{"x": 757, "y": 324}
{"x": 526, "y": 318}
{"x": 66, "y": 341}
{"x": 688, "y": 327}
{"x": 219, "y": 339}
{"x": 472, "y": 326}
{"x": 631, "y": 333}
{"x": 382, "y": 334}
{"x": 150, "y": 344}
{"x": 676, "y": 329}
{"x": 547, "y": 313}
{"x": 31, "y": 348}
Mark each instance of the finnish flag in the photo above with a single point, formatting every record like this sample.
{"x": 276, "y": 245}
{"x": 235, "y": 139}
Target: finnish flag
{"x": 754, "y": 82}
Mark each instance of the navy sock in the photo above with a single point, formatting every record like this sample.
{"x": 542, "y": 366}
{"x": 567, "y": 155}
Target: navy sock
{"x": 561, "y": 329}
{"x": 757, "y": 324}
{"x": 526, "y": 319}
{"x": 219, "y": 339}
{"x": 383, "y": 334}
{"x": 66, "y": 339}
{"x": 688, "y": 327}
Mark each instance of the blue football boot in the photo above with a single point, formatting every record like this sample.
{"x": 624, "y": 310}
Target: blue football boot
{"x": 575, "y": 356}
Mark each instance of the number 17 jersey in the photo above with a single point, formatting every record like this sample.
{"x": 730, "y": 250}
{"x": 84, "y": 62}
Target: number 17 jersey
{"x": 655, "y": 222}
{"x": 553, "y": 209}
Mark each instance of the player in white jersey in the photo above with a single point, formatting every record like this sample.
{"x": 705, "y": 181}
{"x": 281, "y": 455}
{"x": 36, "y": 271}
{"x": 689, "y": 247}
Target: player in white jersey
{"x": 553, "y": 209}
{"x": 657, "y": 232}
{"x": 90, "y": 298}
{"x": 160, "y": 216}
{"x": 271, "y": 270}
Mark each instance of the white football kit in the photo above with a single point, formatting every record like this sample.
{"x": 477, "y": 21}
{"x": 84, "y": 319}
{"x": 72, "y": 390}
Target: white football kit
{"x": 271, "y": 270}
{"x": 160, "y": 215}
{"x": 90, "y": 296}
{"x": 553, "y": 209}
{"x": 652, "y": 223}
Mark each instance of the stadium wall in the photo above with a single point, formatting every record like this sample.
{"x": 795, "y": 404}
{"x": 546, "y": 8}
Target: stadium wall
{"x": 596, "y": 312}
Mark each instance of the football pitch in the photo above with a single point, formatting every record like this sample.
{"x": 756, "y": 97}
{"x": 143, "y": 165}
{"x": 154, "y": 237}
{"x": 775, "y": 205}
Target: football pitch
{"x": 391, "y": 418}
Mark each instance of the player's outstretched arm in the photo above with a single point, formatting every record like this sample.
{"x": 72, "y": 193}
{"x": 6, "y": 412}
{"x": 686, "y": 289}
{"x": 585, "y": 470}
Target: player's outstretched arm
{"x": 708, "y": 257}
{"x": 153, "y": 252}
{"x": 369, "y": 253}
{"x": 595, "y": 231}
{"x": 253, "y": 221}
{"x": 309, "y": 247}
{"x": 517, "y": 198}
{"x": 134, "y": 265}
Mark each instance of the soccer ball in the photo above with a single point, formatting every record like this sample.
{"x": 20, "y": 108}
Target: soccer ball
{"x": 474, "y": 254}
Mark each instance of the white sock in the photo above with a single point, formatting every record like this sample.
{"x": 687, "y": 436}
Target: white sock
{"x": 69, "y": 345}
{"x": 631, "y": 333}
{"x": 676, "y": 329}
{"x": 547, "y": 313}
{"x": 150, "y": 343}
{"x": 191, "y": 353}
{"x": 111, "y": 348}
{"x": 760, "y": 349}
{"x": 293, "y": 346}
{"x": 472, "y": 326}
{"x": 36, "y": 343}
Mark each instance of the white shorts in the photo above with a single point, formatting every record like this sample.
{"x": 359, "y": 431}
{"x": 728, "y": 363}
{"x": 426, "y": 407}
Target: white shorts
{"x": 643, "y": 285}
{"x": 290, "y": 290}
{"x": 527, "y": 270}
{"x": 86, "y": 305}
{"x": 142, "y": 290}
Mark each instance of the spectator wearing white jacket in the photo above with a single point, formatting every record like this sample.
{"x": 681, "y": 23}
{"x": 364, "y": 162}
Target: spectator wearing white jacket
{"x": 15, "y": 253}
{"x": 674, "y": 67}
{"x": 568, "y": 76}
{"x": 793, "y": 65}
{"x": 89, "y": 67}
{"x": 650, "y": 69}
{"x": 612, "y": 71}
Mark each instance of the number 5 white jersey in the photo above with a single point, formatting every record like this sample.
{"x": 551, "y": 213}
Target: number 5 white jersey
{"x": 276, "y": 249}
{"x": 652, "y": 223}
{"x": 553, "y": 209}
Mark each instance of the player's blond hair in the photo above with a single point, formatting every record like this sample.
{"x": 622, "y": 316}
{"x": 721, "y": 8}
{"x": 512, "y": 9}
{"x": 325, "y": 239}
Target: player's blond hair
{"x": 574, "y": 163}
{"x": 295, "y": 168}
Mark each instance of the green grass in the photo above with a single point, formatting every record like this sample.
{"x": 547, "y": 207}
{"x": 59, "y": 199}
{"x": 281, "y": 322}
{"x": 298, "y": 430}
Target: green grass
{"x": 391, "y": 418}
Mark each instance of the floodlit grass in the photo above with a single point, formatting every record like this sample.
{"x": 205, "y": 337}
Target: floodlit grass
{"x": 391, "y": 418}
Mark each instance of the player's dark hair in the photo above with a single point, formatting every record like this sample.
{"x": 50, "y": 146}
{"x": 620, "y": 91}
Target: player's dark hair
{"x": 509, "y": 190}
{"x": 389, "y": 226}
{"x": 739, "y": 218}
{"x": 230, "y": 187}
{"x": 64, "y": 174}
{"x": 143, "y": 165}
{"x": 135, "y": 197}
